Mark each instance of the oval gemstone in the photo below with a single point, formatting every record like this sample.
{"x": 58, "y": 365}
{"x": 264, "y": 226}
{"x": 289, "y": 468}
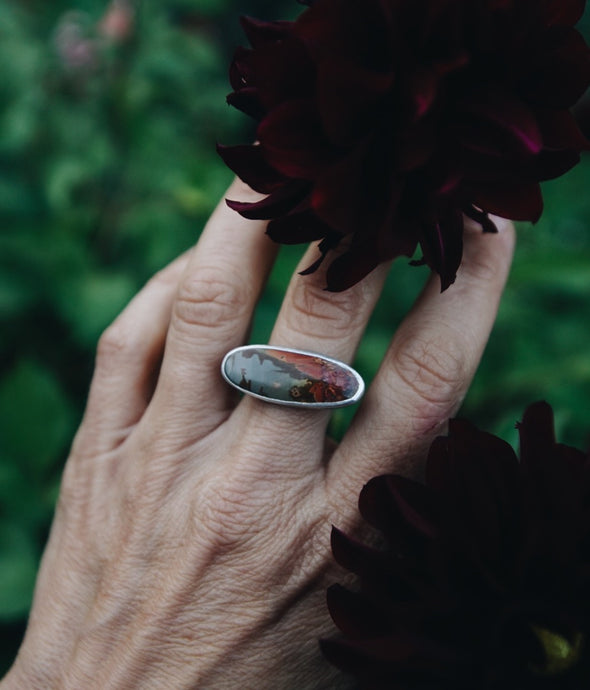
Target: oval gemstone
{"x": 292, "y": 377}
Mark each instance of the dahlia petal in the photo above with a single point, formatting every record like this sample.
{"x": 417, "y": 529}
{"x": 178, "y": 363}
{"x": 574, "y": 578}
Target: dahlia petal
{"x": 313, "y": 267}
{"x": 378, "y": 567}
{"x": 349, "y": 269}
{"x": 537, "y": 434}
{"x": 260, "y": 32}
{"x": 481, "y": 170}
{"x": 550, "y": 164}
{"x": 438, "y": 466}
{"x": 517, "y": 200}
{"x": 285, "y": 72}
{"x": 293, "y": 142}
{"x": 297, "y": 228}
{"x": 354, "y": 555}
{"x": 247, "y": 100}
{"x": 378, "y": 504}
{"x": 378, "y": 234}
{"x": 452, "y": 457}
{"x": 560, "y": 74}
{"x": 415, "y": 504}
{"x": 439, "y": 25}
{"x": 452, "y": 63}
{"x": 511, "y": 116}
{"x": 354, "y": 614}
{"x": 563, "y": 12}
{"x": 398, "y": 652}
{"x": 345, "y": 93}
{"x": 486, "y": 477}
{"x": 340, "y": 196}
{"x": 248, "y": 163}
{"x": 239, "y": 69}
{"x": 327, "y": 244}
{"x": 279, "y": 71}
{"x": 374, "y": 506}
{"x": 560, "y": 130}
{"x": 416, "y": 146}
{"x": 555, "y": 503}
{"x": 359, "y": 658}
{"x": 360, "y": 32}
{"x": 344, "y": 656}
{"x": 442, "y": 245}
{"x": 423, "y": 90}
{"x": 573, "y": 457}
{"x": 487, "y": 224}
{"x": 484, "y": 525}
{"x": 276, "y": 204}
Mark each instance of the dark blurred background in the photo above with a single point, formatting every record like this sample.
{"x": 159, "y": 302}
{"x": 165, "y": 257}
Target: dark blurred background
{"x": 109, "y": 115}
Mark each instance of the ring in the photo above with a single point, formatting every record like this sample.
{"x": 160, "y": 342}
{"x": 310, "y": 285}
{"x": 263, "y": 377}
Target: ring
{"x": 284, "y": 376}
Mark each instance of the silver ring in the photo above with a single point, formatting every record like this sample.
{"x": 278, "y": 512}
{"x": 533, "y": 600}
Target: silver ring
{"x": 296, "y": 378}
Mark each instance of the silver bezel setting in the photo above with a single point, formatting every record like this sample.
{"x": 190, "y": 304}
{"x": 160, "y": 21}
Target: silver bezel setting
{"x": 294, "y": 403}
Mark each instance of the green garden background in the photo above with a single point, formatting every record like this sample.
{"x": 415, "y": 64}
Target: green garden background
{"x": 108, "y": 170}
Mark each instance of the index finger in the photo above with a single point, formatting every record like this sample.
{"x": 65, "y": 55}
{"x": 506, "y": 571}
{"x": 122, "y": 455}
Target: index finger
{"x": 210, "y": 315}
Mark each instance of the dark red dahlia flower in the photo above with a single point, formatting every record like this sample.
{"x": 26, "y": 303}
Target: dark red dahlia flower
{"x": 485, "y": 577}
{"x": 387, "y": 120}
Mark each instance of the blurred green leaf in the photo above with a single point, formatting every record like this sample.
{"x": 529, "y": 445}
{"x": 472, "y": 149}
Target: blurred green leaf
{"x": 18, "y": 568}
{"x": 35, "y": 417}
{"x": 90, "y": 301}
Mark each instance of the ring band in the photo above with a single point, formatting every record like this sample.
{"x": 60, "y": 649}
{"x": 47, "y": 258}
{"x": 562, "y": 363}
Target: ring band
{"x": 296, "y": 378}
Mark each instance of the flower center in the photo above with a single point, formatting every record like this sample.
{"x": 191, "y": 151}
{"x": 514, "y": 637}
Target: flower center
{"x": 561, "y": 654}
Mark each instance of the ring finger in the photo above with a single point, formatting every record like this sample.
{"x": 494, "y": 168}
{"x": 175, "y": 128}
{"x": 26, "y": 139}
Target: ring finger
{"x": 327, "y": 323}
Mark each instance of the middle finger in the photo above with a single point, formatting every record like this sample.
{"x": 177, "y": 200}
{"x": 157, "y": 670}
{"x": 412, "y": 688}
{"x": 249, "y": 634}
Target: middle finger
{"x": 318, "y": 321}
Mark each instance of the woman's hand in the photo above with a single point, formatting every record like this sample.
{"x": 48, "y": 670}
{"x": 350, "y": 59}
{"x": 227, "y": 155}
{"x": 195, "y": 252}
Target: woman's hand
{"x": 191, "y": 542}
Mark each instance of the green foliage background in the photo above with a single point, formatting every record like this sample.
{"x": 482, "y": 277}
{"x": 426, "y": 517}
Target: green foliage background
{"x": 109, "y": 171}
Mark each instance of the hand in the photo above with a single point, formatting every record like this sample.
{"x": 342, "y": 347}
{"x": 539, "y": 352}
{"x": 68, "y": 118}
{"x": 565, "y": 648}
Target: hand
{"x": 191, "y": 541}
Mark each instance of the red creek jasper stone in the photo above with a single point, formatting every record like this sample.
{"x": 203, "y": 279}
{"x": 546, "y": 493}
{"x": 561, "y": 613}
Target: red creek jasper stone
{"x": 292, "y": 377}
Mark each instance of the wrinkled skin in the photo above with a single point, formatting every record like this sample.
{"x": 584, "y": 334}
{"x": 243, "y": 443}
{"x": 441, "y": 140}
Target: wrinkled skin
{"x": 191, "y": 541}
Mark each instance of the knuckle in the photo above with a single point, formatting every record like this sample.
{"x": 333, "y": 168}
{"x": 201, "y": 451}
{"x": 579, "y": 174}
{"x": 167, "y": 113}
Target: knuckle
{"x": 242, "y": 191}
{"x": 487, "y": 257}
{"x": 481, "y": 266}
{"x": 433, "y": 369}
{"x": 231, "y": 513}
{"x": 75, "y": 492}
{"x": 314, "y": 310}
{"x": 69, "y": 491}
{"x": 115, "y": 341}
{"x": 210, "y": 300}
{"x": 313, "y": 541}
{"x": 241, "y": 525}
